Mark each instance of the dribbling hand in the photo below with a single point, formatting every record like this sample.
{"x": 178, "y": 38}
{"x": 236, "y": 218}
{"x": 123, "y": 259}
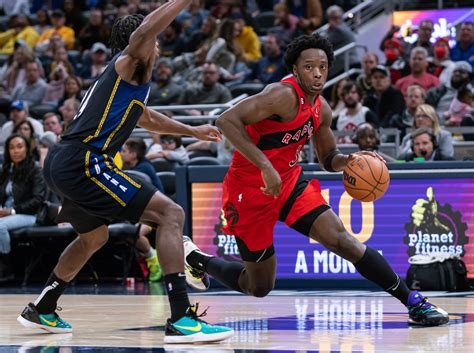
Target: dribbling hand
{"x": 368, "y": 153}
{"x": 272, "y": 181}
{"x": 207, "y": 133}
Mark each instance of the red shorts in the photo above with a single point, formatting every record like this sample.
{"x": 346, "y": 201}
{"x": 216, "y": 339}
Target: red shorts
{"x": 251, "y": 216}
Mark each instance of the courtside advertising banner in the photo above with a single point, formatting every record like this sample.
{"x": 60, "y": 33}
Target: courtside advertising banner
{"x": 415, "y": 216}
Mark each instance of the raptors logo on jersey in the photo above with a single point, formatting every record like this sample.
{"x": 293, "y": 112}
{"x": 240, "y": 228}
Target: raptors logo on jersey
{"x": 281, "y": 142}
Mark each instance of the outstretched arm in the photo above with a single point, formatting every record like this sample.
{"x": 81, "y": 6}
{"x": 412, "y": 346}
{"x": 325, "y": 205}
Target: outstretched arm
{"x": 157, "y": 122}
{"x": 143, "y": 40}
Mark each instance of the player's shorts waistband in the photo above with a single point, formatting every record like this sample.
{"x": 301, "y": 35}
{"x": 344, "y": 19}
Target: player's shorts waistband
{"x": 83, "y": 146}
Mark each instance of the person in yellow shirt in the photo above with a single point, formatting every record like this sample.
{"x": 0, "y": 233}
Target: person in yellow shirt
{"x": 247, "y": 39}
{"x": 20, "y": 31}
{"x": 67, "y": 33}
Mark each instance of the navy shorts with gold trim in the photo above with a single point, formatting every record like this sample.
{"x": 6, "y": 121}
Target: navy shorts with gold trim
{"x": 93, "y": 189}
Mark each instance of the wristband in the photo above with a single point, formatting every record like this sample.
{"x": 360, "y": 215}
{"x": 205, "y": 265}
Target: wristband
{"x": 329, "y": 158}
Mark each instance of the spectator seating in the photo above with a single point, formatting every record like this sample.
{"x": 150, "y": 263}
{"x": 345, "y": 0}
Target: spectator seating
{"x": 203, "y": 161}
{"x": 168, "y": 179}
{"x": 266, "y": 21}
{"x": 200, "y": 153}
{"x": 39, "y": 242}
{"x": 138, "y": 174}
{"x": 163, "y": 165}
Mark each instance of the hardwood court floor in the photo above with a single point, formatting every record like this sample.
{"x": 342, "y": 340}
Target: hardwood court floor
{"x": 324, "y": 321}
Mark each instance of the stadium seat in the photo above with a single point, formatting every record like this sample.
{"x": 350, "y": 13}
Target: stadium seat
{"x": 265, "y": 20}
{"x": 39, "y": 243}
{"x": 168, "y": 179}
{"x": 138, "y": 175}
{"x": 163, "y": 165}
{"x": 203, "y": 161}
{"x": 200, "y": 153}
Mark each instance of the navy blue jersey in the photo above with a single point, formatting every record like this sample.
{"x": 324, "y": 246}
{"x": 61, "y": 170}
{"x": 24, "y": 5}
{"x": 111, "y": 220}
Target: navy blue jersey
{"x": 108, "y": 112}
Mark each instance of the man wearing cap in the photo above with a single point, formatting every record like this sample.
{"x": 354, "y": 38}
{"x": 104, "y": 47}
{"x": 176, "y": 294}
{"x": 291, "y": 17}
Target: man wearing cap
{"x": 164, "y": 90}
{"x": 418, "y": 76}
{"x": 18, "y": 113}
{"x": 464, "y": 48}
{"x": 441, "y": 97}
{"x": 384, "y": 99}
{"x": 98, "y": 57}
{"x": 67, "y": 33}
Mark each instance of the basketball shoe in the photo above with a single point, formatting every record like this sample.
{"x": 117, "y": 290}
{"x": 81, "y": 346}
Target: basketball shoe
{"x": 191, "y": 329}
{"x": 154, "y": 268}
{"x": 30, "y": 317}
{"x": 195, "y": 278}
{"x": 424, "y": 313}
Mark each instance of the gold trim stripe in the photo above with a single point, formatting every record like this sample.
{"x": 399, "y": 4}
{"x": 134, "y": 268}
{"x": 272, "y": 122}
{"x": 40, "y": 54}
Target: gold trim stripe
{"x": 122, "y": 174}
{"x": 106, "y": 112}
{"x": 102, "y": 186}
{"x": 108, "y": 191}
{"x": 124, "y": 118}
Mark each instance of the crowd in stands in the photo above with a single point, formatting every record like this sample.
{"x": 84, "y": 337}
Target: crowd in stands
{"x": 211, "y": 53}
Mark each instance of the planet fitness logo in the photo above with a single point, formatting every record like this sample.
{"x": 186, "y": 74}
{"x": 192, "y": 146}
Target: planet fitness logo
{"x": 226, "y": 244}
{"x": 435, "y": 228}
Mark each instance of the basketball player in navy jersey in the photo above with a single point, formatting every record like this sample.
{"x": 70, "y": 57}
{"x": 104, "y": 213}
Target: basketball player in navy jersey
{"x": 95, "y": 192}
{"x": 265, "y": 184}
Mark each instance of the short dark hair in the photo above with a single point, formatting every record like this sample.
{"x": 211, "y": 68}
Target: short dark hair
{"x": 422, "y": 131}
{"x": 301, "y": 43}
{"x": 175, "y": 138}
{"x": 137, "y": 145}
{"x": 122, "y": 30}
{"x": 348, "y": 86}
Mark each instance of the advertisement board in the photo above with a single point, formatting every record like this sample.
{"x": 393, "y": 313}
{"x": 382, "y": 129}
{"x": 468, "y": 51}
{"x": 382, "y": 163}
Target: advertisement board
{"x": 446, "y": 225}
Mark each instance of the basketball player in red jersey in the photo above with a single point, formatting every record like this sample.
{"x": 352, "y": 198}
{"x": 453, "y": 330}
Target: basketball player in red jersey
{"x": 264, "y": 184}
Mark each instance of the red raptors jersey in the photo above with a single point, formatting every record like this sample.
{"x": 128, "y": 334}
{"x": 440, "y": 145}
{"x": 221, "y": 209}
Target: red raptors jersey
{"x": 281, "y": 142}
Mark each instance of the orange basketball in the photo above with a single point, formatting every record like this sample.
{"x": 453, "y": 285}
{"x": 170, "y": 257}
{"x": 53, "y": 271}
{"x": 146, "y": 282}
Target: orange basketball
{"x": 366, "y": 178}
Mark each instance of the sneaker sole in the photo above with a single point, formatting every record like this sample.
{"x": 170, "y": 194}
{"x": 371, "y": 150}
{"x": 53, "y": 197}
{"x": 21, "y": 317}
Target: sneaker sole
{"x": 199, "y": 337}
{"x": 29, "y": 324}
{"x": 433, "y": 322}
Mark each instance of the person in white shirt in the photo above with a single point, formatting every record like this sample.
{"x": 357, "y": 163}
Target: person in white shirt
{"x": 353, "y": 114}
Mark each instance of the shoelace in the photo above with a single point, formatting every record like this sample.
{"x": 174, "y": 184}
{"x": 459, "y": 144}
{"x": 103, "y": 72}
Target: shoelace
{"x": 192, "y": 312}
{"x": 424, "y": 305}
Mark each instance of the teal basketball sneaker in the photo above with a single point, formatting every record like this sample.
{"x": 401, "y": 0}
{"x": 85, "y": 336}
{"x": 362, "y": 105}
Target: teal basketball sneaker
{"x": 424, "y": 313}
{"x": 48, "y": 322}
{"x": 191, "y": 329}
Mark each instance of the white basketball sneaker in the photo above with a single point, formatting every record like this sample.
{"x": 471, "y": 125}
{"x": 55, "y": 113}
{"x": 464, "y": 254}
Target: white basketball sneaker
{"x": 195, "y": 277}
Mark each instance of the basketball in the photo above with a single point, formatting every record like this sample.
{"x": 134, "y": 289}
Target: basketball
{"x": 366, "y": 178}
